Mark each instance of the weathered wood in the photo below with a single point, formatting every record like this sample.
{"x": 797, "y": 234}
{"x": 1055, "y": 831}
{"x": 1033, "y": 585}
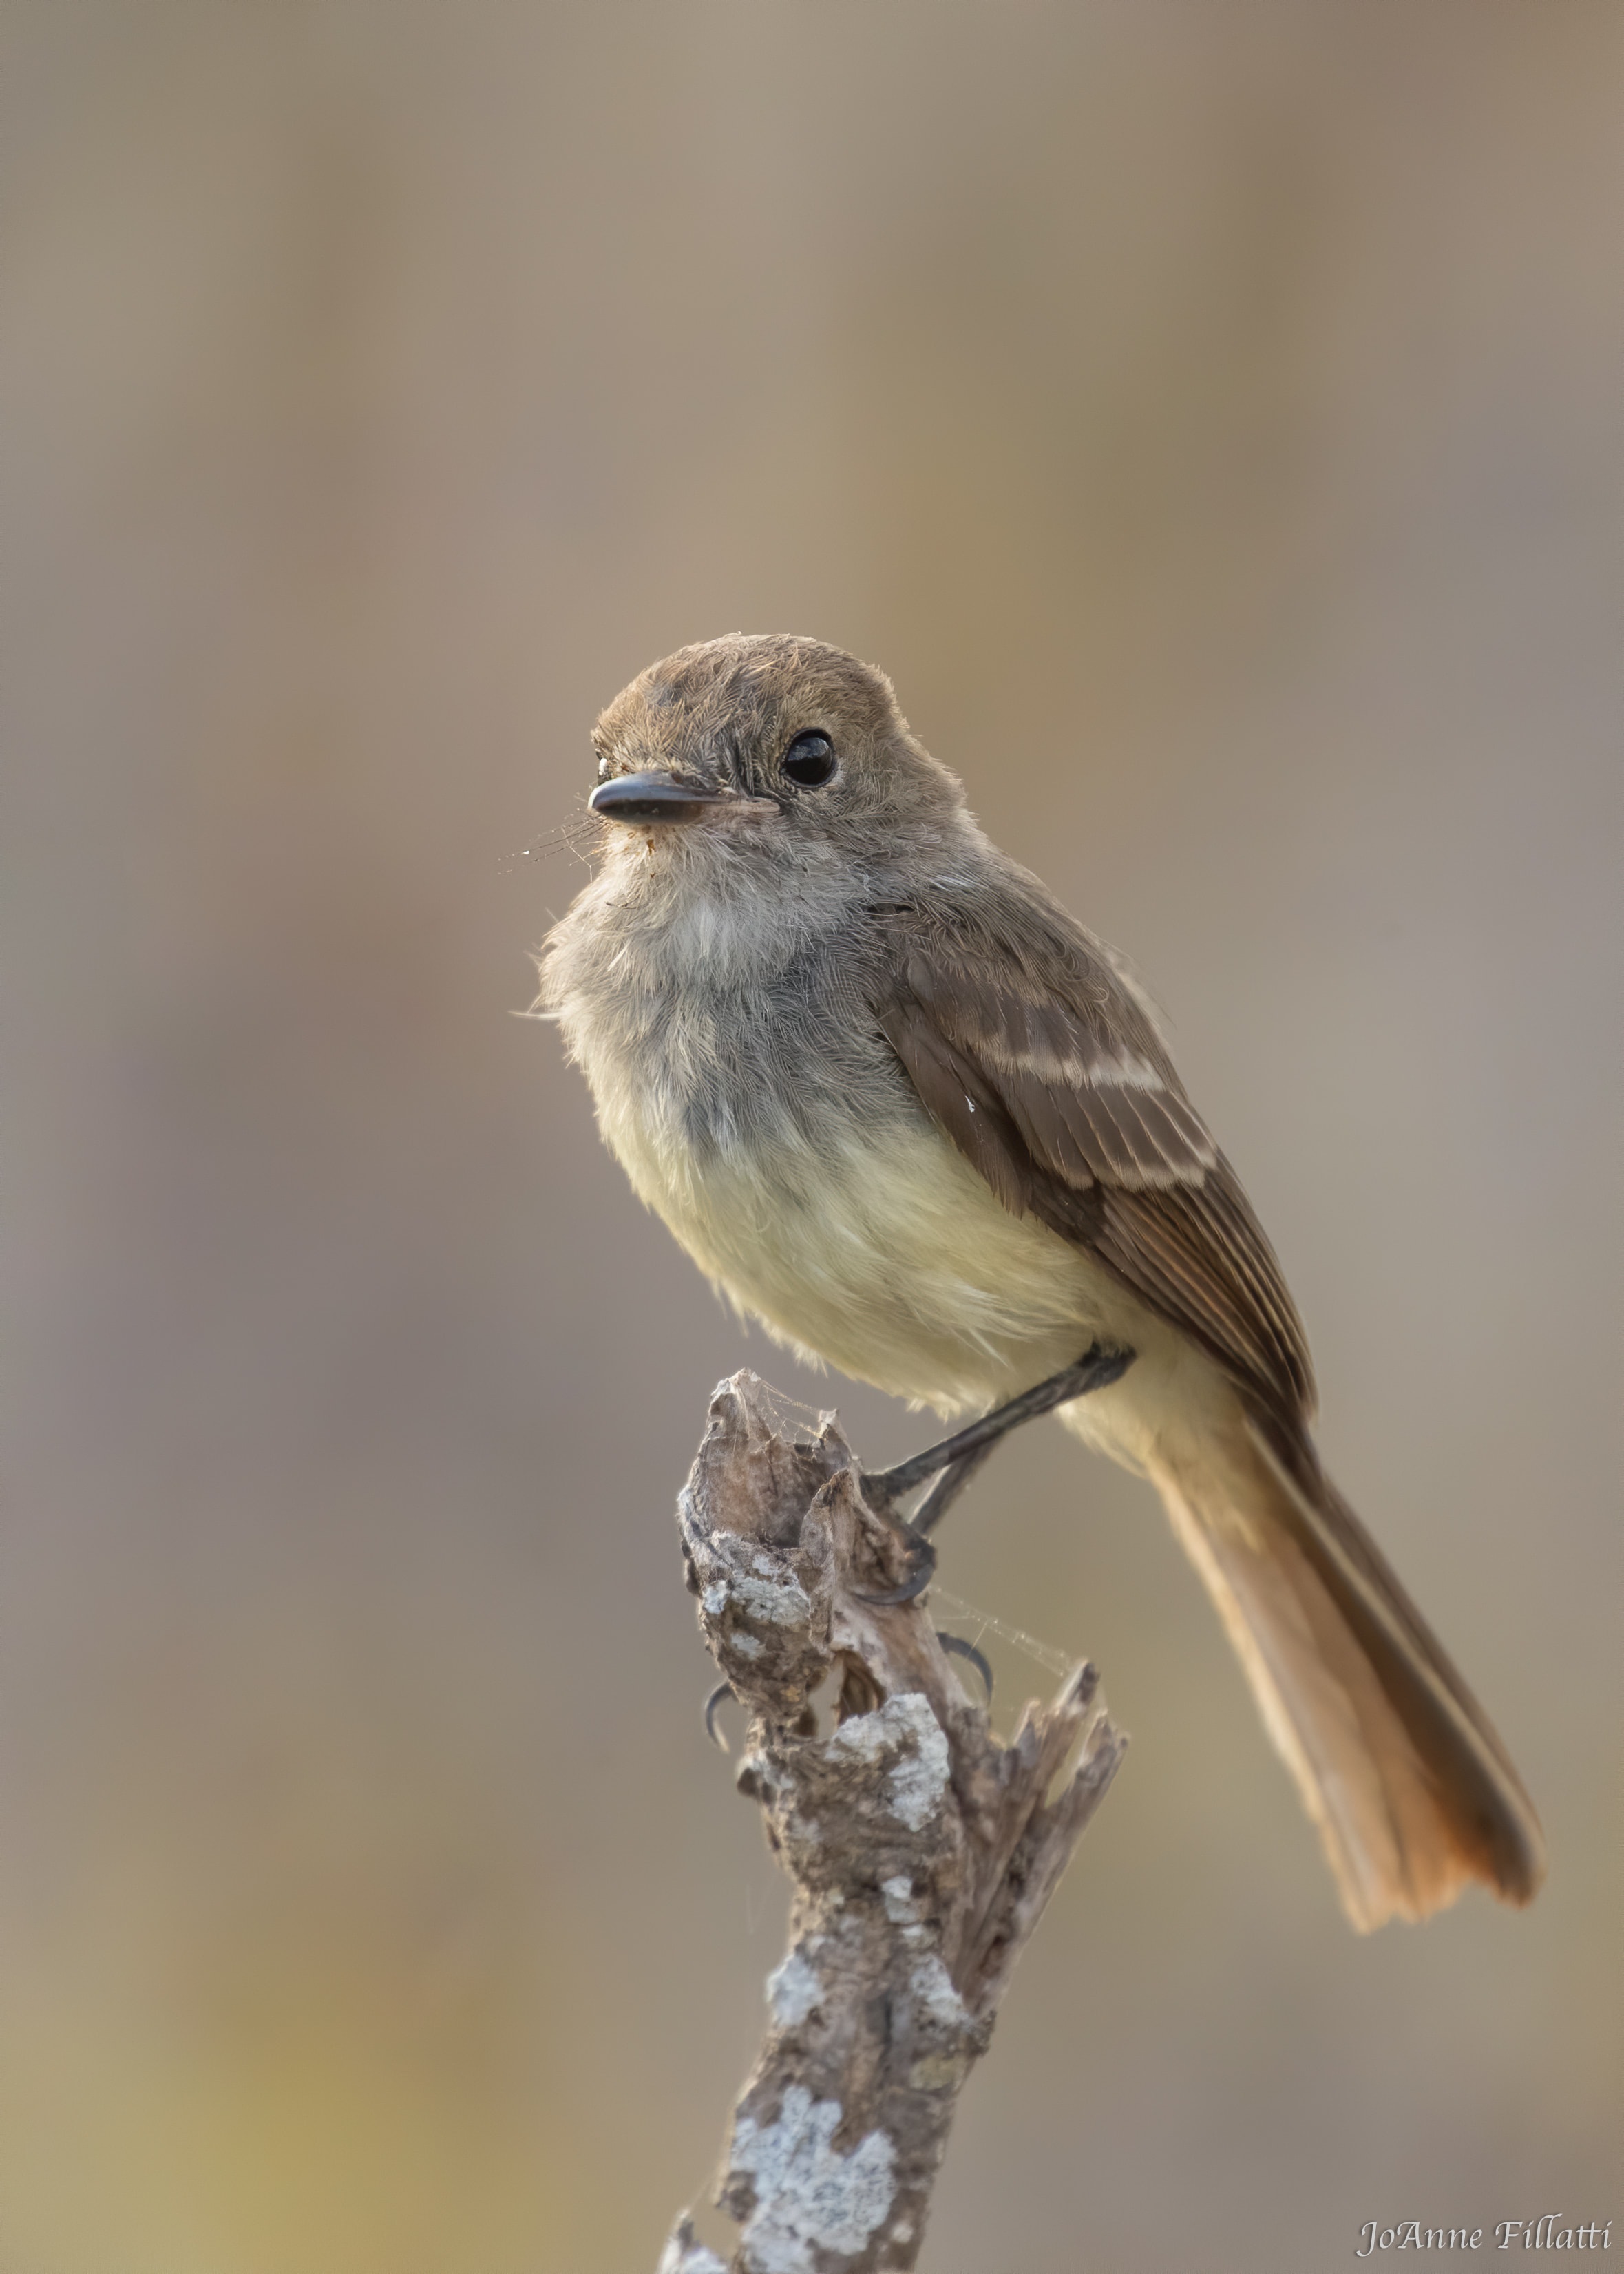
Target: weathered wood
{"x": 921, "y": 1851}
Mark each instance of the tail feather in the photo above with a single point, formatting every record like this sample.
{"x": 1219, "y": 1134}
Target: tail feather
{"x": 1411, "y": 1791}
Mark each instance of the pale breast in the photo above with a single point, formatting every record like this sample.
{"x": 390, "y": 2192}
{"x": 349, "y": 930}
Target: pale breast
{"x": 882, "y": 1251}
{"x": 772, "y": 1128}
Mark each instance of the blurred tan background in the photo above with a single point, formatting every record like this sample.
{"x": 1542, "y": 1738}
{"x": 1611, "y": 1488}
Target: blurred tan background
{"x": 1213, "y": 419}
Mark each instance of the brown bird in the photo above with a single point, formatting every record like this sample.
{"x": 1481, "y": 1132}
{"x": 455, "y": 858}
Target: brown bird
{"x": 904, "y": 1111}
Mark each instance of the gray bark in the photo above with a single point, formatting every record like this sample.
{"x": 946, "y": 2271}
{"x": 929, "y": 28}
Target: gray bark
{"x": 921, "y": 1851}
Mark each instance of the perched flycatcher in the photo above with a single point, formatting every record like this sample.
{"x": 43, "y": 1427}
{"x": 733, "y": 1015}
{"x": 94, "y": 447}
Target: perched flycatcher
{"x": 907, "y": 1112}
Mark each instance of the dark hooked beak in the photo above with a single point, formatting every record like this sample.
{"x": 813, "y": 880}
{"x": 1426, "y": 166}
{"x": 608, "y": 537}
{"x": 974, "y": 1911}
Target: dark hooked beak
{"x": 654, "y": 797}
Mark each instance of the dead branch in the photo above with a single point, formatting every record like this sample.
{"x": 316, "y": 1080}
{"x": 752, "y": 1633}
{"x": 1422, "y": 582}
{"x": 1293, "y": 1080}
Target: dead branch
{"x": 921, "y": 1852}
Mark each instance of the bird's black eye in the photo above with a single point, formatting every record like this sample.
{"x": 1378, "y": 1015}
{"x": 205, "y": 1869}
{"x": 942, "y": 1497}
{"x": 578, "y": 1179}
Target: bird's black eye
{"x": 810, "y": 760}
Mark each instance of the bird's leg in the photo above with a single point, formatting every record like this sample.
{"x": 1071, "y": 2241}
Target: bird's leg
{"x": 956, "y": 1459}
{"x": 944, "y": 1490}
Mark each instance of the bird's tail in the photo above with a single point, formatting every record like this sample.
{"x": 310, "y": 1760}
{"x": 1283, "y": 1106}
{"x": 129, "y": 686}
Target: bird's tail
{"x": 1411, "y": 1790}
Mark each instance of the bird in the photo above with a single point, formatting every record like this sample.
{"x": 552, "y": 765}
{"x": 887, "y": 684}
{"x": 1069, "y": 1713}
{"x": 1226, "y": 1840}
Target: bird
{"x": 904, "y": 1111}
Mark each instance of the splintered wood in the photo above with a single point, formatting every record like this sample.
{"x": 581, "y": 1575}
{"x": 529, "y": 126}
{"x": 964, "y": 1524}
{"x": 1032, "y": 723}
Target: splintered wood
{"x": 921, "y": 1851}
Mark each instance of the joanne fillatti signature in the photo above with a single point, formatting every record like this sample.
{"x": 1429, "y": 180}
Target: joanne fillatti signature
{"x": 1545, "y": 2233}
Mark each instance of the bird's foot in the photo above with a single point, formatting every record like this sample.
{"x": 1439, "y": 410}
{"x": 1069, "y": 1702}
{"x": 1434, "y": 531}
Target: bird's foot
{"x": 954, "y": 1461}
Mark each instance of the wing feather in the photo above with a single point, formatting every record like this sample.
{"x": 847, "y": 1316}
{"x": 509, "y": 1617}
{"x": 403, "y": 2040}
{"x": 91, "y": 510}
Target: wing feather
{"x": 1048, "y": 1073}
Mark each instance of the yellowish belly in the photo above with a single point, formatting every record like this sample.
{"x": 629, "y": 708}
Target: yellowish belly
{"x": 891, "y": 1260}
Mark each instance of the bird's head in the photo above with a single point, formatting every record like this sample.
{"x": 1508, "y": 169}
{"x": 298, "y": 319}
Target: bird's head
{"x": 769, "y": 750}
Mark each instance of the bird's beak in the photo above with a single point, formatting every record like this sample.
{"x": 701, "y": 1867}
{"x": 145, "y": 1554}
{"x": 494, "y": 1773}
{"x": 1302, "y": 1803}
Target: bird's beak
{"x": 654, "y": 797}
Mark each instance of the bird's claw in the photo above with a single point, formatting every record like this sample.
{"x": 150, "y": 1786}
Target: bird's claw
{"x": 921, "y": 1562}
{"x": 717, "y": 1698}
{"x": 958, "y": 1647}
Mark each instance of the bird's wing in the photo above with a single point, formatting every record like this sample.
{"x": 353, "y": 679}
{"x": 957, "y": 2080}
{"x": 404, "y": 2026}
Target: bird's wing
{"x": 1026, "y": 1046}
